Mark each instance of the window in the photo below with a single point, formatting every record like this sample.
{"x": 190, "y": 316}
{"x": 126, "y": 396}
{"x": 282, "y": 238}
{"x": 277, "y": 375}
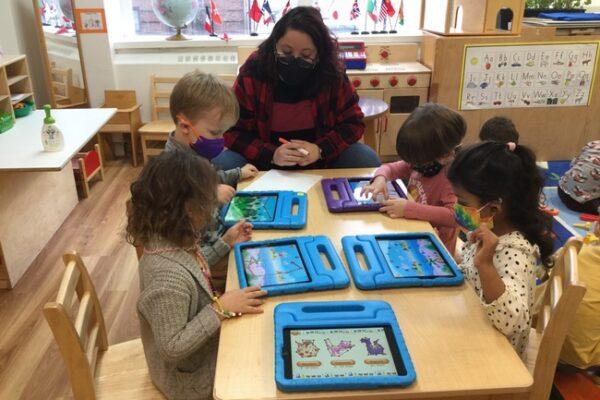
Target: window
{"x": 234, "y": 13}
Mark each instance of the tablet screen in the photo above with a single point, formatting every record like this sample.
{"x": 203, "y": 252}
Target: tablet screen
{"x": 414, "y": 258}
{"x": 280, "y": 264}
{"x": 259, "y": 208}
{"x": 342, "y": 352}
{"x": 357, "y": 185}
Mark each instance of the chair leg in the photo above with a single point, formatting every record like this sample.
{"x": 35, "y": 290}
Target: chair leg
{"x": 134, "y": 149}
{"x": 144, "y": 149}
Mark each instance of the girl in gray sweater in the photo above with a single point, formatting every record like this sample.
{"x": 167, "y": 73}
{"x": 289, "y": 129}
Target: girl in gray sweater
{"x": 180, "y": 311}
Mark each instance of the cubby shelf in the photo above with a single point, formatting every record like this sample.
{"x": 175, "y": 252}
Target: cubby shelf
{"x": 15, "y": 82}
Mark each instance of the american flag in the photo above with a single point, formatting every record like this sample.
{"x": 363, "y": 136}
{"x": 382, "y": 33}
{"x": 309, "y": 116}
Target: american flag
{"x": 386, "y": 10}
{"x": 355, "y": 13}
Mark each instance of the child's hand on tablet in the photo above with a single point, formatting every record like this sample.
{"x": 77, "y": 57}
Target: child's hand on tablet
{"x": 238, "y": 233}
{"x": 393, "y": 208}
{"x": 248, "y": 171}
{"x": 225, "y": 193}
{"x": 244, "y": 301}
{"x": 377, "y": 188}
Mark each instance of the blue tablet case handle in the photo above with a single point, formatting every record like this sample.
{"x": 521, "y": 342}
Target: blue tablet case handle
{"x": 322, "y": 245}
{"x": 288, "y": 201}
{"x": 352, "y": 246}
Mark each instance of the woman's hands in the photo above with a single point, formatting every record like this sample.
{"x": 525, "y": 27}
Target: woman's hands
{"x": 244, "y": 301}
{"x": 289, "y": 154}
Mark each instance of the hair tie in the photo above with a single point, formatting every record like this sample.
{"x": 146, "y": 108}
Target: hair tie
{"x": 511, "y": 146}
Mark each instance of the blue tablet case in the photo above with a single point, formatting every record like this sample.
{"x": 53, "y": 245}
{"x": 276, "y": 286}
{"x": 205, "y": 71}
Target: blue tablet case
{"x": 400, "y": 260}
{"x": 290, "y": 265}
{"x": 339, "y": 315}
{"x": 267, "y": 209}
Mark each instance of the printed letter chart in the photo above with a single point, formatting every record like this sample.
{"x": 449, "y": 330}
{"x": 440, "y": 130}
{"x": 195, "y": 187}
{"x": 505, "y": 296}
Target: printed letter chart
{"x": 531, "y": 75}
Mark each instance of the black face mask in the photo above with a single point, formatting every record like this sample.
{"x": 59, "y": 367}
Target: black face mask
{"x": 429, "y": 169}
{"x": 294, "y": 71}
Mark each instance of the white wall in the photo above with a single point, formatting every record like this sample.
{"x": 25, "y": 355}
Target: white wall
{"x": 19, "y": 36}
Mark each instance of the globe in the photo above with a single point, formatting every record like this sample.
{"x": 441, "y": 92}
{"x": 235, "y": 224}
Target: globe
{"x": 67, "y": 8}
{"x": 175, "y": 13}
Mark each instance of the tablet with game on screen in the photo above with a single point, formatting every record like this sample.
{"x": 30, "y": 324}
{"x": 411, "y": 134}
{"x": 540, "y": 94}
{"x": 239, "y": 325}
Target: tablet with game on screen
{"x": 290, "y": 265}
{"x": 267, "y": 209}
{"x": 339, "y": 345}
{"x": 344, "y": 194}
{"x": 400, "y": 260}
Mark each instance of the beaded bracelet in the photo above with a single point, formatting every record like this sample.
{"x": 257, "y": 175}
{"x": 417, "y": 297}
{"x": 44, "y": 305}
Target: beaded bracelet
{"x": 221, "y": 311}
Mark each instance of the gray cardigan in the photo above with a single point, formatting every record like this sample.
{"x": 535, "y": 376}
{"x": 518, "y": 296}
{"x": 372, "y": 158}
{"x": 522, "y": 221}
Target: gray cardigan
{"x": 180, "y": 331}
{"x": 212, "y": 245}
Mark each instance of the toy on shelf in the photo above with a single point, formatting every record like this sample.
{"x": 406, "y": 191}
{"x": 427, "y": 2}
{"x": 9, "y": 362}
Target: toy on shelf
{"x": 339, "y": 345}
{"x": 344, "y": 194}
{"x": 23, "y": 108}
{"x": 473, "y": 17}
{"x": 353, "y": 54}
{"x": 85, "y": 167}
{"x": 6, "y": 121}
{"x": 399, "y": 260}
{"x": 267, "y": 209}
{"x": 290, "y": 265}
{"x": 589, "y": 217}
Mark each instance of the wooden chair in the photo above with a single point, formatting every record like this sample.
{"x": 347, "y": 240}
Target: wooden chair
{"x": 562, "y": 297}
{"x": 86, "y": 166}
{"x": 154, "y": 134}
{"x": 62, "y": 84}
{"x": 96, "y": 371}
{"x": 127, "y": 120}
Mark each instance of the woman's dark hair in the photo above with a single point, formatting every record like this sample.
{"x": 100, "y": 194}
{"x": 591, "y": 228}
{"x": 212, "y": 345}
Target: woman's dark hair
{"x": 430, "y": 132}
{"x": 499, "y": 129}
{"x": 491, "y": 171}
{"x": 168, "y": 186}
{"x": 307, "y": 20}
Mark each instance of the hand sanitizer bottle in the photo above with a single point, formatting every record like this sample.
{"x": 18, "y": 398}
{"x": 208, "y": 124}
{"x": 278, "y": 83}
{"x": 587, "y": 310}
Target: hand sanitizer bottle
{"x": 52, "y": 137}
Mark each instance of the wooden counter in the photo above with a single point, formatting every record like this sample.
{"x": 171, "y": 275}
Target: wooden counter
{"x": 456, "y": 352}
{"x": 37, "y": 188}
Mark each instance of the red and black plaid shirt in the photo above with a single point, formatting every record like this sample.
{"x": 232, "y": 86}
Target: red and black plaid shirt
{"x": 338, "y": 118}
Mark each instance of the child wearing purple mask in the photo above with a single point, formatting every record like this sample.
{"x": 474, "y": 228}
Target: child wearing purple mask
{"x": 498, "y": 187}
{"x": 203, "y": 108}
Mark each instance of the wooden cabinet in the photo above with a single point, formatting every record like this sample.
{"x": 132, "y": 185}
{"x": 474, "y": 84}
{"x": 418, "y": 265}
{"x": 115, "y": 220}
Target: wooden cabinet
{"x": 401, "y": 102}
{"x": 15, "y": 83}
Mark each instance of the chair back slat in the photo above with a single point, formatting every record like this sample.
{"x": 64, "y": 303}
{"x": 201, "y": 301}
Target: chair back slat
{"x": 160, "y": 92}
{"x": 561, "y": 300}
{"x": 119, "y": 98}
{"x": 78, "y": 342}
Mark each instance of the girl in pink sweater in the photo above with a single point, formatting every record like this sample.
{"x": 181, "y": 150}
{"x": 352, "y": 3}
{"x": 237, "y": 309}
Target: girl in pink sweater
{"x": 426, "y": 143}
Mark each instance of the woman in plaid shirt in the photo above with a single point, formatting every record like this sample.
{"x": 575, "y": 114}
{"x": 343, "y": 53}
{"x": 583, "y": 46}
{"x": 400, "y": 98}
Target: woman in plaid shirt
{"x": 295, "y": 88}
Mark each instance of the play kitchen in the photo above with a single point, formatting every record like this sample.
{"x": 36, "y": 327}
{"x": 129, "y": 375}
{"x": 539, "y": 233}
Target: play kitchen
{"x": 389, "y": 73}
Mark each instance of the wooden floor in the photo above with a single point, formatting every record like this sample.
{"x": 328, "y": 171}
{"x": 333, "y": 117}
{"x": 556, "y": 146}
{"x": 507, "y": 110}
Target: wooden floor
{"x": 30, "y": 365}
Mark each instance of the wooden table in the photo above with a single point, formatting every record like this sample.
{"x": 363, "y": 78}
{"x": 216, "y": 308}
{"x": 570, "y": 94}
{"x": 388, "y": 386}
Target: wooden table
{"x": 37, "y": 188}
{"x": 374, "y": 111}
{"x": 456, "y": 352}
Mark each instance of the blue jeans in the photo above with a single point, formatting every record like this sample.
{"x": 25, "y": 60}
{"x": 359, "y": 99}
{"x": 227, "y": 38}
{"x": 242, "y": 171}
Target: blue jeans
{"x": 358, "y": 155}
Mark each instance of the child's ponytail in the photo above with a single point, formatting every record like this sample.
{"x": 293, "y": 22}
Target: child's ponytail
{"x": 495, "y": 170}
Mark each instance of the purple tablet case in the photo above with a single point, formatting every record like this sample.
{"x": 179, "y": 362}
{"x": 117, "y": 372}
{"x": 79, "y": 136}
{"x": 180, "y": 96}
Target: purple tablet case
{"x": 347, "y": 202}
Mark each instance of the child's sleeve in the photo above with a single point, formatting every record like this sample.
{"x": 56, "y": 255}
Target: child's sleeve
{"x": 214, "y": 252}
{"x": 165, "y": 308}
{"x": 441, "y": 215}
{"x": 395, "y": 170}
{"x": 510, "y": 312}
{"x": 230, "y": 177}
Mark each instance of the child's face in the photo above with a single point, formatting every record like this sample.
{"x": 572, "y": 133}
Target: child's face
{"x": 467, "y": 199}
{"x": 208, "y": 126}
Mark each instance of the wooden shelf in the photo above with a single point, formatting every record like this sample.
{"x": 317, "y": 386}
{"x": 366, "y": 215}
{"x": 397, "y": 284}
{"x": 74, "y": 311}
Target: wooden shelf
{"x": 16, "y": 79}
{"x": 4, "y": 97}
{"x": 21, "y": 97}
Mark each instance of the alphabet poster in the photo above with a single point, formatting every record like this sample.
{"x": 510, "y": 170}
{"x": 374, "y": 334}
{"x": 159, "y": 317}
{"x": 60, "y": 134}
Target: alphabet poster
{"x": 525, "y": 76}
